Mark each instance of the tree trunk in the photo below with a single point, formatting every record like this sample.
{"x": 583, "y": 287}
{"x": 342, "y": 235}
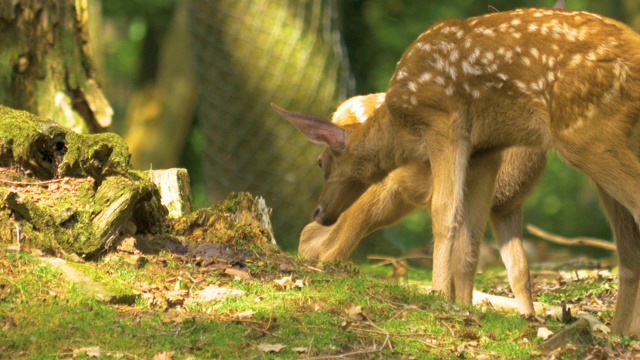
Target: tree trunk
{"x": 159, "y": 114}
{"x": 46, "y": 64}
{"x": 248, "y": 54}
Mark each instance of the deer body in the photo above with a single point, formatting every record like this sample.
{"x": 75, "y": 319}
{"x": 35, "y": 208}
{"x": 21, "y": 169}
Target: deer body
{"x": 465, "y": 91}
{"x": 409, "y": 187}
{"x": 540, "y": 78}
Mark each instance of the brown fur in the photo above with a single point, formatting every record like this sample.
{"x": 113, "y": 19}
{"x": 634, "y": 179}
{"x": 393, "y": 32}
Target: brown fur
{"x": 466, "y": 90}
{"x": 408, "y": 187}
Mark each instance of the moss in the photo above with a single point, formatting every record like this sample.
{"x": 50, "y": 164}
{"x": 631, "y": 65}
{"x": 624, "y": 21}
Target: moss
{"x": 93, "y": 192}
{"x": 232, "y": 221}
{"x": 120, "y": 291}
{"x": 97, "y": 155}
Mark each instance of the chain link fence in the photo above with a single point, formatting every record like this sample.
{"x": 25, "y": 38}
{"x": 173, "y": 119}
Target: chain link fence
{"x": 248, "y": 54}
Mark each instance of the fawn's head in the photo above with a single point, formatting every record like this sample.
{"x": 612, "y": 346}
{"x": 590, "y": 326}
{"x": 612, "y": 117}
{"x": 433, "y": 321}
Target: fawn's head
{"x": 346, "y": 175}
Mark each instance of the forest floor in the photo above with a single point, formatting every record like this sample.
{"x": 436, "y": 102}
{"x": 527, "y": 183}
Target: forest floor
{"x": 234, "y": 303}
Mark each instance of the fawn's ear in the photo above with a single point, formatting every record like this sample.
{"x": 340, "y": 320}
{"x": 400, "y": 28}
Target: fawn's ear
{"x": 316, "y": 129}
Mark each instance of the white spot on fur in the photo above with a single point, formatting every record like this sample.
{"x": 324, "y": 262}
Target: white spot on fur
{"x": 412, "y": 86}
{"x": 492, "y": 68}
{"x": 453, "y": 73}
{"x": 469, "y": 69}
{"x": 424, "y": 46}
{"x": 576, "y": 59}
{"x": 449, "y": 90}
{"x": 551, "y": 76}
{"x": 474, "y": 55}
{"x": 534, "y": 52}
{"x": 454, "y": 56}
{"x": 591, "y": 111}
{"x": 425, "y": 77}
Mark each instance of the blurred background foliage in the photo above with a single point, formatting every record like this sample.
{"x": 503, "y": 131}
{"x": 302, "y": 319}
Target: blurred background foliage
{"x": 375, "y": 33}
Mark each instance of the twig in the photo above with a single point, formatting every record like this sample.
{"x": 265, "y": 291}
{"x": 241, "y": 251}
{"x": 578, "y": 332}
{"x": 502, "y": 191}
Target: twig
{"x": 345, "y": 355}
{"x": 602, "y": 244}
{"x": 27, "y": 183}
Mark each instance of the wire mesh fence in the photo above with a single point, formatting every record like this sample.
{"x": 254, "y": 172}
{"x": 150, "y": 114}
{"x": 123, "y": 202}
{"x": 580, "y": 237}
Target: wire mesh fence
{"x": 250, "y": 53}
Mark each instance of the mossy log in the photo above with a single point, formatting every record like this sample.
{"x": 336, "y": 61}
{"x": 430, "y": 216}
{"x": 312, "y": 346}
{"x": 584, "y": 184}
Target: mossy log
{"x": 66, "y": 192}
{"x": 49, "y": 150}
{"x": 63, "y": 192}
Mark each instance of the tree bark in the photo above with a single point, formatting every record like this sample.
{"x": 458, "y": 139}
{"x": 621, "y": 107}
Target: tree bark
{"x": 46, "y": 64}
{"x": 159, "y": 114}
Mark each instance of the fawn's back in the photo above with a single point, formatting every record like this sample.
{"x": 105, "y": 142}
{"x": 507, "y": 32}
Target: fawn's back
{"x": 545, "y": 70}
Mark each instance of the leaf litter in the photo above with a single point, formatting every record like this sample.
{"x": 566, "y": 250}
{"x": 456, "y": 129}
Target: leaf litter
{"x": 177, "y": 273}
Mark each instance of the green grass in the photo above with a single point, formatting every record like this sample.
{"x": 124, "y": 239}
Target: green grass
{"x": 43, "y": 316}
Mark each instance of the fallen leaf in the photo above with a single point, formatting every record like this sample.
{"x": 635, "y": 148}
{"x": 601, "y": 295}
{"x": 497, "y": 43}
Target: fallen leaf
{"x": 544, "y": 333}
{"x": 213, "y": 293}
{"x": 93, "y": 351}
{"x": 163, "y": 355}
{"x": 300, "y": 350}
{"x": 355, "y": 313}
{"x": 237, "y": 273}
{"x": 244, "y": 314}
{"x": 271, "y": 347}
{"x": 287, "y": 282}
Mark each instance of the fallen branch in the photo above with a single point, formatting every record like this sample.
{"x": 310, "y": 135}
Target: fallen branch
{"x": 602, "y": 244}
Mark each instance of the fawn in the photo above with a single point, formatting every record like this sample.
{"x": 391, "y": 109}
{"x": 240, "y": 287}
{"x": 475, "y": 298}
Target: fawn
{"x": 466, "y": 90}
{"x": 409, "y": 187}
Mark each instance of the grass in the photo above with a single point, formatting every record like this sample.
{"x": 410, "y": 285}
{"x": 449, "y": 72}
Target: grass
{"x": 339, "y": 311}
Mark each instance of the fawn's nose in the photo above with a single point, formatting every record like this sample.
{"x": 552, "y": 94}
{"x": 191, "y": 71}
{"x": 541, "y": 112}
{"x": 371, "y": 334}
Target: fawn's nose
{"x": 318, "y": 214}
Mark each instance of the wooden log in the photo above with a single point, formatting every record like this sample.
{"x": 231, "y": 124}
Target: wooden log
{"x": 175, "y": 192}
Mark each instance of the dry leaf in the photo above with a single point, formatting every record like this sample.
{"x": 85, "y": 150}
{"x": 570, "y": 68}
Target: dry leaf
{"x": 93, "y": 351}
{"x": 355, "y": 313}
{"x": 163, "y": 355}
{"x": 271, "y": 347}
{"x": 244, "y": 314}
{"x": 544, "y": 333}
{"x": 287, "y": 282}
{"x": 213, "y": 293}
{"x": 300, "y": 350}
{"x": 239, "y": 274}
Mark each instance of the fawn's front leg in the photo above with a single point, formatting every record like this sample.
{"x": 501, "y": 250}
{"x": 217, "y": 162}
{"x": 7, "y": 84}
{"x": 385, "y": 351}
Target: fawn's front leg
{"x": 521, "y": 170}
{"x": 381, "y": 205}
{"x": 507, "y": 229}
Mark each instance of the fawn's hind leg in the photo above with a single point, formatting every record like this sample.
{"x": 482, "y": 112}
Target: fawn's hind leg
{"x": 608, "y": 159}
{"x": 478, "y": 195}
{"x": 627, "y": 237}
